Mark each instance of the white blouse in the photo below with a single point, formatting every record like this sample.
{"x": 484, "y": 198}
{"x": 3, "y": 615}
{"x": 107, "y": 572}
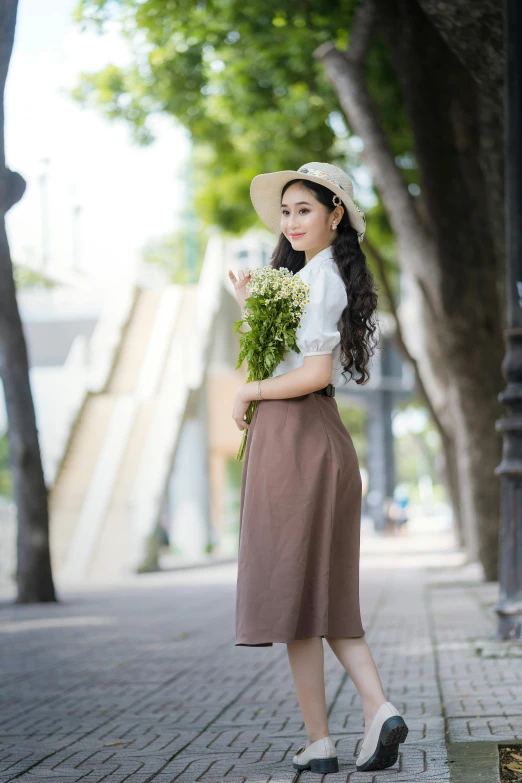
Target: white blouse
{"x": 318, "y": 332}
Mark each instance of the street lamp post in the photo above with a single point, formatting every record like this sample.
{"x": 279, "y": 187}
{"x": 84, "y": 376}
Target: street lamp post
{"x": 509, "y": 605}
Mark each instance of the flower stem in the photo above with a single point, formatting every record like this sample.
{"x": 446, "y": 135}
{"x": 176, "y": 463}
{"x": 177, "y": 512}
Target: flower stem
{"x": 249, "y": 416}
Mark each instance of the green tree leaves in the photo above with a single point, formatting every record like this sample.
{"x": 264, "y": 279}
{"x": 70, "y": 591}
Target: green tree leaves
{"x": 242, "y": 79}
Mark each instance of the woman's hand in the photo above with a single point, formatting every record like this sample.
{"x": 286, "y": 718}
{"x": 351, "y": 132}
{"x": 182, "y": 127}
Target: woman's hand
{"x": 240, "y": 285}
{"x": 240, "y": 408}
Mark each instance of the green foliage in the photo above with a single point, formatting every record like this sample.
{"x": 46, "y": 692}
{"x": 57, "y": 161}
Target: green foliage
{"x": 25, "y": 277}
{"x": 271, "y": 334}
{"x": 272, "y": 313}
{"x": 355, "y": 419}
{"x": 381, "y": 237}
{"x": 170, "y": 254}
{"x": 243, "y": 80}
{"x": 387, "y": 96}
{"x": 419, "y": 450}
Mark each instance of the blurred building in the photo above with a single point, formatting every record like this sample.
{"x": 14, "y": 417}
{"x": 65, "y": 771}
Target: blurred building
{"x": 133, "y": 399}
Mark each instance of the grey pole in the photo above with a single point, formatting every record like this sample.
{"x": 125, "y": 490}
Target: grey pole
{"x": 509, "y": 605}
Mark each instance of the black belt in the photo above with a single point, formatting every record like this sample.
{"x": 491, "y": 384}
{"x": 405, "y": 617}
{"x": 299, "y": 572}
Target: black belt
{"x": 328, "y": 390}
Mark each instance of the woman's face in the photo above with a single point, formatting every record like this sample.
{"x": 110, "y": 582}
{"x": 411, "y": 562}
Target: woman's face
{"x": 305, "y": 222}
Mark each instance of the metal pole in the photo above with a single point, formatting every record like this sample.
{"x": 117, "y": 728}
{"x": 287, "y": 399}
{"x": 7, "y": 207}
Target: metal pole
{"x": 509, "y": 605}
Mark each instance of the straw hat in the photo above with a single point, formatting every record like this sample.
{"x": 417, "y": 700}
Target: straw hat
{"x": 265, "y": 192}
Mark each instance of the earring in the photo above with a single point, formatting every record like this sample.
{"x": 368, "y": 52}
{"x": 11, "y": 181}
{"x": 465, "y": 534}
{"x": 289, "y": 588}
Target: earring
{"x": 334, "y": 225}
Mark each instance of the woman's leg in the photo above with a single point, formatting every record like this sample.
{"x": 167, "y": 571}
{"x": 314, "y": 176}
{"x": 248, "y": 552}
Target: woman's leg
{"x": 355, "y": 656}
{"x": 306, "y": 658}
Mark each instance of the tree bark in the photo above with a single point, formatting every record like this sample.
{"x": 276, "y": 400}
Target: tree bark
{"x": 416, "y": 250}
{"x": 449, "y": 255}
{"x": 448, "y": 443}
{"x": 463, "y": 26}
{"x": 447, "y": 133}
{"x": 33, "y": 573}
{"x": 475, "y": 34}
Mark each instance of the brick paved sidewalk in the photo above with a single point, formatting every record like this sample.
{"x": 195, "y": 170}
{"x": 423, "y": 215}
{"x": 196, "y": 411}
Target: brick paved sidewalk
{"x": 141, "y": 681}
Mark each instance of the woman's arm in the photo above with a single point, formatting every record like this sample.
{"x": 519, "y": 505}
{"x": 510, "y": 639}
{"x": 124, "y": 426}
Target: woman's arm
{"x": 313, "y": 375}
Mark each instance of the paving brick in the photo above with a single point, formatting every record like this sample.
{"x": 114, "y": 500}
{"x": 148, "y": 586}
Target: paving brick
{"x": 142, "y": 681}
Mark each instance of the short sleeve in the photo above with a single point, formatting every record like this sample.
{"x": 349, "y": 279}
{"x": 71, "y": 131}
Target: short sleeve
{"x": 317, "y": 332}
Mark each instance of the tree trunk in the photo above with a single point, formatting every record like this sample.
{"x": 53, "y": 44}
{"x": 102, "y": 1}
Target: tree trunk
{"x": 447, "y": 249}
{"x": 34, "y": 577}
{"x": 416, "y": 251}
{"x": 447, "y": 133}
{"x": 448, "y": 443}
{"x": 475, "y": 34}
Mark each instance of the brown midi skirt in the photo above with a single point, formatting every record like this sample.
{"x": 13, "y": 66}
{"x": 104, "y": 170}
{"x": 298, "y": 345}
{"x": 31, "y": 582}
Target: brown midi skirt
{"x": 300, "y": 523}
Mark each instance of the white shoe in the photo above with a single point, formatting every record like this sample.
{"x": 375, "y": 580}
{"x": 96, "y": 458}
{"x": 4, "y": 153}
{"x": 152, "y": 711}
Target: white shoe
{"x": 380, "y": 747}
{"x": 320, "y": 756}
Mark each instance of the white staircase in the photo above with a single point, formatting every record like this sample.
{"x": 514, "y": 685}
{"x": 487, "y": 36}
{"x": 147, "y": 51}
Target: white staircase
{"x": 110, "y": 483}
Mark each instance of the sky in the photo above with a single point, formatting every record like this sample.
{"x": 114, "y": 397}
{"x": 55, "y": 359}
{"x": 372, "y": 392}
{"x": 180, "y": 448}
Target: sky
{"x": 122, "y": 194}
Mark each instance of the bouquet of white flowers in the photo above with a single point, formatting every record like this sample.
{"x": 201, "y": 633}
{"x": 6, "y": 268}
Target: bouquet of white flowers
{"x": 273, "y": 312}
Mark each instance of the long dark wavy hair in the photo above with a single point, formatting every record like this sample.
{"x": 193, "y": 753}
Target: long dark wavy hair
{"x": 358, "y": 325}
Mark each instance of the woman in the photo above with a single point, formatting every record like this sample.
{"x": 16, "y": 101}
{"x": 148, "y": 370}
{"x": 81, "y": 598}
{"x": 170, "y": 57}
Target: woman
{"x": 298, "y": 562}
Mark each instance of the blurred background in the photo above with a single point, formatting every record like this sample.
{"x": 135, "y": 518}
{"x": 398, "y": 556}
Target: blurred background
{"x": 138, "y": 127}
